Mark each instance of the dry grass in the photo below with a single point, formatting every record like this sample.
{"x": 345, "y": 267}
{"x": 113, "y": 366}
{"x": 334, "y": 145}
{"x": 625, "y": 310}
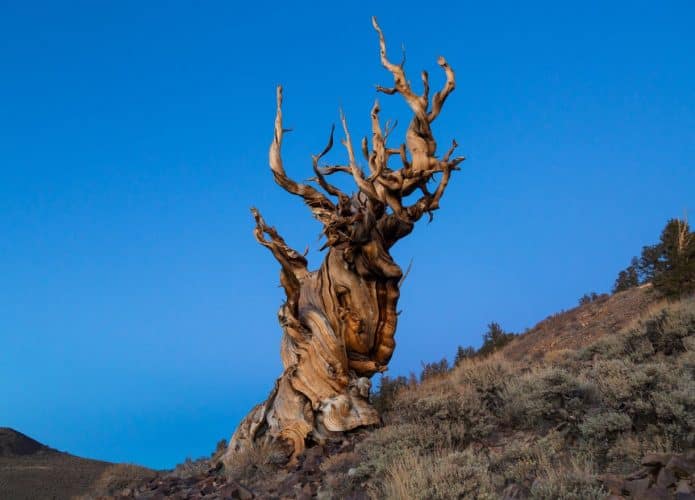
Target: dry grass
{"x": 255, "y": 464}
{"x": 117, "y": 480}
{"x": 440, "y": 475}
{"x": 576, "y": 480}
{"x": 647, "y": 312}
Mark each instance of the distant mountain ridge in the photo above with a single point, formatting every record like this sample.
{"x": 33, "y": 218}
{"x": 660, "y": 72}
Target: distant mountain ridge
{"x": 14, "y": 444}
{"x": 31, "y": 470}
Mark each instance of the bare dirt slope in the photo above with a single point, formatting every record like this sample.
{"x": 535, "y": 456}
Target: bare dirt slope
{"x": 584, "y": 325}
{"x": 31, "y": 470}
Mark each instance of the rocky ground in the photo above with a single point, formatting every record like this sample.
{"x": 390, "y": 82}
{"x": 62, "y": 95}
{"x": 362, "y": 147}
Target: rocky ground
{"x": 208, "y": 480}
{"x": 661, "y": 476}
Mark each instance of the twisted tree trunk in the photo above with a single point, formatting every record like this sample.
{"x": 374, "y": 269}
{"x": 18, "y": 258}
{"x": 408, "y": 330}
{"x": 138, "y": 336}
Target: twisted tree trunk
{"x": 339, "y": 321}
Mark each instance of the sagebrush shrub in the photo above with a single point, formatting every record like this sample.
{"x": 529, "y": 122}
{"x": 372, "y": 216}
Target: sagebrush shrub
{"x": 437, "y": 476}
{"x": 546, "y": 396}
{"x": 576, "y": 481}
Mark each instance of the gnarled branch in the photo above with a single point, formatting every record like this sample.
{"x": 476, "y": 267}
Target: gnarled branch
{"x": 321, "y": 206}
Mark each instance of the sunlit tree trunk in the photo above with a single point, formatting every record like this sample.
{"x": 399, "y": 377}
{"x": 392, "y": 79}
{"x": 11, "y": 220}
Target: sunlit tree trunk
{"x": 339, "y": 321}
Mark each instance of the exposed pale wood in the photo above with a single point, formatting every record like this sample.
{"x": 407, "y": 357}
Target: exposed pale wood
{"x": 339, "y": 321}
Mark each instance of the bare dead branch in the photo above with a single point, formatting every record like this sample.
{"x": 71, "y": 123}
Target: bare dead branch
{"x": 365, "y": 186}
{"x": 389, "y": 128}
{"x": 289, "y": 258}
{"x": 441, "y": 96}
{"x": 293, "y": 264}
{"x": 332, "y": 169}
{"x": 365, "y": 148}
{"x": 386, "y": 90}
{"x": 400, "y": 81}
{"x": 406, "y": 273}
{"x": 321, "y": 206}
{"x": 377, "y": 160}
{"x": 329, "y": 188}
{"x": 451, "y": 150}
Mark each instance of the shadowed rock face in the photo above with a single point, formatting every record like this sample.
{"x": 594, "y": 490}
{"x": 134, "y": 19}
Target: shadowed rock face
{"x": 339, "y": 321}
{"x": 15, "y": 444}
{"x": 662, "y": 475}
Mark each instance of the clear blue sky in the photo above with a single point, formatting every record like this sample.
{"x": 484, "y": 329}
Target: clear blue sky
{"x": 138, "y": 314}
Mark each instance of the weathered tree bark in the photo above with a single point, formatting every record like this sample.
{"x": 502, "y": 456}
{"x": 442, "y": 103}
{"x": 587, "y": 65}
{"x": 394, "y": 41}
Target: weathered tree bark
{"x": 339, "y": 321}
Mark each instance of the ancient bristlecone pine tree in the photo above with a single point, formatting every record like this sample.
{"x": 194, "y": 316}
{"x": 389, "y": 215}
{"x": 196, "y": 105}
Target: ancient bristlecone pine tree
{"x": 339, "y": 321}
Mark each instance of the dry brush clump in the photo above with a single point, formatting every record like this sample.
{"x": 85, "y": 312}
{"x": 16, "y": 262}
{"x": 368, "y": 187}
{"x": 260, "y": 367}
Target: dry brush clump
{"x": 576, "y": 480}
{"x": 258, "y": 462}
{"x": 118, "y": 480}
{"x": 441, "y": 475}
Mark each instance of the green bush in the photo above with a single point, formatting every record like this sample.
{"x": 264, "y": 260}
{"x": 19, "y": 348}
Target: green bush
{"x": 494, "y": 339}
{"x": 605, "y": 427}
{"x": 669, "y": 264}
{"x": 628, "y": 278}
{"x": 463, "y": 353}
{"x": 547, "y": 396}
{"x": 434, "y": 369}
{"x": 388, "y": 388}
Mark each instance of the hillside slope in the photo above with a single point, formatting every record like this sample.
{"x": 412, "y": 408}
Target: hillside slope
{"x": 583, "y": 325}
{"x": 16, "y": 444}
{"x": 31, "y": 470}
{"x": 613, "y": 414}
{"x": 580, "y": 419}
